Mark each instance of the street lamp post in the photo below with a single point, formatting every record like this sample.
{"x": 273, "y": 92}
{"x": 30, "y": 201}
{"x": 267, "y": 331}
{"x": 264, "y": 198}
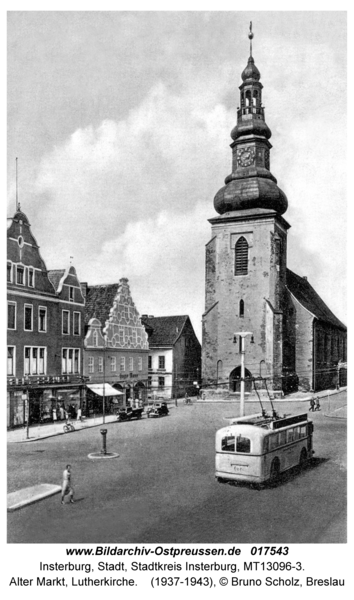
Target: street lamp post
{"x": 243, "y": 335}
{"x": 104, "y": 380}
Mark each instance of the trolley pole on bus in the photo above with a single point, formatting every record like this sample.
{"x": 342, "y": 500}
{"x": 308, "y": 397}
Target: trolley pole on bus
{"x": 243, "y": 335}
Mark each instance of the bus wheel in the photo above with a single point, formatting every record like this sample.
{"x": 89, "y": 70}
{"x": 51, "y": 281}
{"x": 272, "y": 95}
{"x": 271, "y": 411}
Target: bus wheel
{"x": 274, "y": 469}
{"x": 303, "y": 457}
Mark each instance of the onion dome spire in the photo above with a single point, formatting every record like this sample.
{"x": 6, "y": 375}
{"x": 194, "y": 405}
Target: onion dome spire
{"x": 251, "y": 184}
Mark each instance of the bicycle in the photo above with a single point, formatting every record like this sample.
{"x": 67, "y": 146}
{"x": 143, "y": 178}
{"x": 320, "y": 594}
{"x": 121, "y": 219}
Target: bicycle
{"x": 68, "y": 427}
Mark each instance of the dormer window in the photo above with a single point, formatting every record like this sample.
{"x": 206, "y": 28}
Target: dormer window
{"x": 20, "y": 241}
{"x": 71, "y": 293}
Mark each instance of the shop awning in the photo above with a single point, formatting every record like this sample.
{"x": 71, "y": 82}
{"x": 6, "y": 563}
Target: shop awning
{"x": 104, "y": 389}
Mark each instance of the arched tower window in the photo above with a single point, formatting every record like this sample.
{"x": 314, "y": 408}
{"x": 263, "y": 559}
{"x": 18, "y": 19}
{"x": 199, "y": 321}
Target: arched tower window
{"x": 241, "y": 311}
{"x": 248, "y": 98}
{"x": 241, "y": 257}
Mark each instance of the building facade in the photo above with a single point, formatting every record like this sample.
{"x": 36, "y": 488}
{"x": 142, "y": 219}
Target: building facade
{"x": 116, "y": 348}
{"x": 248, "y": 286}
{"x": 174, "y": 357}
{"x": 44, "y": 331}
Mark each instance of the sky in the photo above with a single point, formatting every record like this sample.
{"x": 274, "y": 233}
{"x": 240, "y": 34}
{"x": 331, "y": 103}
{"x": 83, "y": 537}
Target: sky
{"x": 121, "y": 124}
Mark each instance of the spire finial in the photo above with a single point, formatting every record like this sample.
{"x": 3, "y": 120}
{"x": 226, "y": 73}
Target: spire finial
{"x": 250, "y": 36}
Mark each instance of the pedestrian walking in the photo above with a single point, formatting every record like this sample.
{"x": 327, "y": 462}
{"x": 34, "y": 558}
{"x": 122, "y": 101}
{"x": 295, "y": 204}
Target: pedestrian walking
{"x": 67, "y": 489}
{"x": 62, "y": 413}
{"x": 317, "y": 407}
{"x": 54, "y": 415}
{"x": 312, "y": 405}
{"x": 78, "y": 415}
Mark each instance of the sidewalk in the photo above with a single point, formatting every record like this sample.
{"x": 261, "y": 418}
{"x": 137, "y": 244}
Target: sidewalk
{"x": 41, "y": 432}
{"x": 295, "y": 397}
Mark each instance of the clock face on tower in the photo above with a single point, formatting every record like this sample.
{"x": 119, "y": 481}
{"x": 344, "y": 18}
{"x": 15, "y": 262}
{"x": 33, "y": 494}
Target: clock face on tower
{"x": 245, "y": 157}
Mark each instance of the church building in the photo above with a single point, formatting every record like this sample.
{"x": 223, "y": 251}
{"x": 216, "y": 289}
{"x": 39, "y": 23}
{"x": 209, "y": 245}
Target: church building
{"x": 292, "y": 339}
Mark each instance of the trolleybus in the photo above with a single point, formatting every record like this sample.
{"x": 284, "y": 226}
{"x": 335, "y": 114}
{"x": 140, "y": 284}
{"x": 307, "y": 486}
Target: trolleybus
{"x": 259, "y": 447}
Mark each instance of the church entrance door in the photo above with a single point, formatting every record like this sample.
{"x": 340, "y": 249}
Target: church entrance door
{"x": 235, "y": 380}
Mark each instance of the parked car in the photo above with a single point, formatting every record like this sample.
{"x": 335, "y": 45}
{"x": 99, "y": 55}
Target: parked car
{"x": 158, "y": 409}
{"x": 126, "y": 414}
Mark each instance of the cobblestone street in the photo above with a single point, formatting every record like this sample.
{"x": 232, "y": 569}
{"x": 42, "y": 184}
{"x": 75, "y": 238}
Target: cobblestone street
{"x": 162, "y": 486}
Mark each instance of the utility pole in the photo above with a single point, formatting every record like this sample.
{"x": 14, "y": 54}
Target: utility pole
{"x": 104, "y": 379}
{"x": 243, "y": 335}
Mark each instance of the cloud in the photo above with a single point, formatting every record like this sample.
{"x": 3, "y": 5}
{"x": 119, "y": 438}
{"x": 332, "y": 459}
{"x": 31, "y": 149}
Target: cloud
{"x": 132, "y": 196}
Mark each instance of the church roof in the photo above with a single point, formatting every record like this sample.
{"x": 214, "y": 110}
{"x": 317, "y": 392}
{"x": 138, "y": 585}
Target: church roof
{"x": 99, "y": 301}
{"x": 308, "y": 297}
{"x": 165, "y": 330}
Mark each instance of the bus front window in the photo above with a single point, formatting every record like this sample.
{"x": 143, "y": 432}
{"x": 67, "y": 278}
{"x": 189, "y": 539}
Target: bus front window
{"x": 228, "y": 444}
{"x": 243, "y": 445}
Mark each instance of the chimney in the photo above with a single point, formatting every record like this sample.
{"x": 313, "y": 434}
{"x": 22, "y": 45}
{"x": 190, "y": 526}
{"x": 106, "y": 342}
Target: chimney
{"x": 304, "y": 277}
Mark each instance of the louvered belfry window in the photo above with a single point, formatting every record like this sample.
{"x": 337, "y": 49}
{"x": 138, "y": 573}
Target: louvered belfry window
{"x": 241, "y": 257}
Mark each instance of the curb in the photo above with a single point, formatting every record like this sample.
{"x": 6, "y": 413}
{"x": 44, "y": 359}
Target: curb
{"x": 49, "y": 435}
{"x": 30, "y": 495}
{"x": 321, "y": 395}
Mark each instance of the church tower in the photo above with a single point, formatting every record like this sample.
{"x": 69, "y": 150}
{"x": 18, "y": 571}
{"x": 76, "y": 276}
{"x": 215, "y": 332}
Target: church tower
{"x": 245, "y": 287}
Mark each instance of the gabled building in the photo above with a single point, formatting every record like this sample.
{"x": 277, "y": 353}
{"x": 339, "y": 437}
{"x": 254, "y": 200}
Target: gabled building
{"x": 174, "y": 356}
{"x": 293, "y": 339}
{"x": 44, "y": 330}
{"x": 116, "y": 348}
{"x": 308, "y": 318}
